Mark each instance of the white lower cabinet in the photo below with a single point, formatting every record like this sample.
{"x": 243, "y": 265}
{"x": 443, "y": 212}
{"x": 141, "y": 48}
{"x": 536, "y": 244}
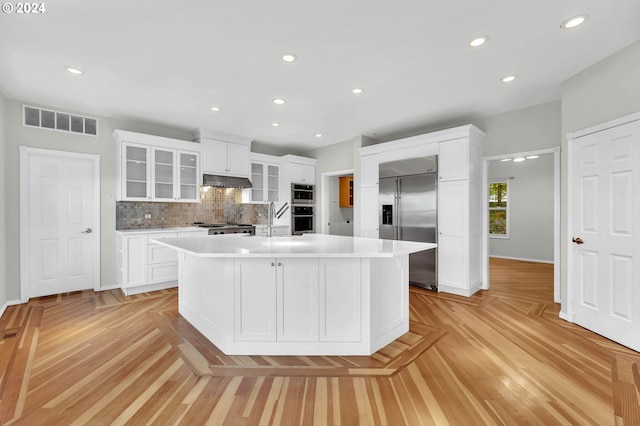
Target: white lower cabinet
{"x": 296, "y": 305}
{"x": 341, "y": 301}
{"x": 255, "y": 300}
{"x": 298, "y": 299}
{"x": 276, "y": 299}
{"x": 146, "y": 266}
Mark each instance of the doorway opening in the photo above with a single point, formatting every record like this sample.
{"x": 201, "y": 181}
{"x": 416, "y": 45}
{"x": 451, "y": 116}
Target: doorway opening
{"x": 337, "y": 212}
{"x": 535, "y": 236}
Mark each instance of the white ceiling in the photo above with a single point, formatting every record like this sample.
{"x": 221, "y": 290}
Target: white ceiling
{"x": 167, "y": 62}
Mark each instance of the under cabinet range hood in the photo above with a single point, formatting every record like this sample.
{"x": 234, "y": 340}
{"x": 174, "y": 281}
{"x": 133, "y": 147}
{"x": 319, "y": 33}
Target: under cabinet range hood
{"x": 225, "y": 181}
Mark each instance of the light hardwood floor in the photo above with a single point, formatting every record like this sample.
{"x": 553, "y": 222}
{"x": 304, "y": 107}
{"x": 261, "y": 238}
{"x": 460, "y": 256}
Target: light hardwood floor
{"x": 500, "y": 357}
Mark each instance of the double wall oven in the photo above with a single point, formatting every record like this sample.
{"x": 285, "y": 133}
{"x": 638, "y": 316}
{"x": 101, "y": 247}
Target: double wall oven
{"x": 302, "y": 209}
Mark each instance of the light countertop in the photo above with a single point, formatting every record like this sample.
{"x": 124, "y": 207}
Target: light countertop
{"x": 308, "y": 245}
{"x": 156, "y": 230}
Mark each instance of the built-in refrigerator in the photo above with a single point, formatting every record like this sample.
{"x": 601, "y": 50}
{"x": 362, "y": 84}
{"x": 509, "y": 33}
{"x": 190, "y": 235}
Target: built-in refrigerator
{"x": 408, "y": 212}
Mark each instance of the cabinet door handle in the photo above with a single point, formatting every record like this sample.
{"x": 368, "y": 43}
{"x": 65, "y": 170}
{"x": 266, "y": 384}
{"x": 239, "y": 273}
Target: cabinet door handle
{"x": 273, "y": 264}
{"x": 279, "y": 264}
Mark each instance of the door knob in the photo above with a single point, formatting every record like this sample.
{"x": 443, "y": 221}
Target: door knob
{"x": 87, "y": 231}
{"x": 577, "y": 240}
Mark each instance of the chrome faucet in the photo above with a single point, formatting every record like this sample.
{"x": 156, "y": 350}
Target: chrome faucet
{"x": 270, "y": 215}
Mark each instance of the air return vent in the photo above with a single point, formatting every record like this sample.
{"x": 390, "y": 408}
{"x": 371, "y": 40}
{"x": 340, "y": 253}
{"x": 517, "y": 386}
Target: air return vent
{"x": 57, "y": 120}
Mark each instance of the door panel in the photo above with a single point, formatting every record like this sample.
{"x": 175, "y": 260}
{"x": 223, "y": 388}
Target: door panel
{"x": 605, "y": 175}
{"x": 255, "y": 299}
{"x": 60, "y": 210}
{"x": 297, "y": 299}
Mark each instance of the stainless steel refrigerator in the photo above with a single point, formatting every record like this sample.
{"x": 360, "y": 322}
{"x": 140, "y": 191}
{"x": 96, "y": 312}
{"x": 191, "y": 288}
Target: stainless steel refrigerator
{"x": 408, "y": 211}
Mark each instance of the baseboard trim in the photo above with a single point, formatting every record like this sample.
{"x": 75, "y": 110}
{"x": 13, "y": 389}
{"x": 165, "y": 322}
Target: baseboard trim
{"x": 565, "y": 316}
{"x": 459, "y": 291}
{"x": 523, "y": 259}
{"x": 128, "y": 291}
{"x": 7, "y": 304}
{"x": 109, "y": 287}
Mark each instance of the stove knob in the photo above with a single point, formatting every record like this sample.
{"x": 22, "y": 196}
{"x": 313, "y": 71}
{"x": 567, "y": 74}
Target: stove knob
{"x": 222, "y": 232}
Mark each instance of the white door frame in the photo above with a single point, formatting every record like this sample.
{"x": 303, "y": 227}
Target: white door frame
{"x": 324, "y": 200}
{"x": 25, "y": 154}
{"x": 556, "y": 214}
{"x": 569, "y": 315}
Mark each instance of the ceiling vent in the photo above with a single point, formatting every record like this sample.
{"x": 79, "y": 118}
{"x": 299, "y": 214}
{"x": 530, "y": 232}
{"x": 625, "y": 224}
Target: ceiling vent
{"x": 58, "y": 120}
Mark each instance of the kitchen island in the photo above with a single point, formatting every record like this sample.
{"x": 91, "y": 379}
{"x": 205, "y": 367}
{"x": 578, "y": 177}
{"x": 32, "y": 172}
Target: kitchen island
{"x": 298, "y": 295}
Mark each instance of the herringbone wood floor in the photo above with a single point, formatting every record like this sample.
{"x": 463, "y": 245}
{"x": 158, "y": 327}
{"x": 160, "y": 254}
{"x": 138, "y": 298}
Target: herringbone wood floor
{"x": 500, "y": 357}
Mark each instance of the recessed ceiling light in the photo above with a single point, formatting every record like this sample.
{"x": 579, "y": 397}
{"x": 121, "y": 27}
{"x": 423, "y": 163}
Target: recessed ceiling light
{"x": 274, "y": 124}
{"x": 289, "y": 57}
{"x": 478, "y": 41}
{"x": 356, "y": 91}
{"x": 318, "y": 135}
{"x": 73, "y": 70}
{"x": 531, "y": 157}
{"x": 506, "y": 159}
{"x": 279, "y": 101}
{"x": 574, "y": 22}
{"x": 518, "y": 160}
{"x": 508, "y": 78}
{"x": 215, "y": 108}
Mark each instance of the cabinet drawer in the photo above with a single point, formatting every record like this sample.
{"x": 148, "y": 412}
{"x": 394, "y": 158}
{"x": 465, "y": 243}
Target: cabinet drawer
{"x": 162, "y": 272}
{"x": 160, "y": 254}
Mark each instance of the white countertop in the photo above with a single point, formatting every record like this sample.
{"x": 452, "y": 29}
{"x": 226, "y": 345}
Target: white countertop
{"x": 308, "y": 245}
{"x": 154, "y": 230}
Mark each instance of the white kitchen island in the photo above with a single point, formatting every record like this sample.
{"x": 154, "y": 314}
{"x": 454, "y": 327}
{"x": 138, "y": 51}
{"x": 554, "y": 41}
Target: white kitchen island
{"x": 298, "y": 295}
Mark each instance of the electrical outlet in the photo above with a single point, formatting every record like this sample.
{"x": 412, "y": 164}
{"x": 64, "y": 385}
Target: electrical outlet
{"x": 147, "y": 215}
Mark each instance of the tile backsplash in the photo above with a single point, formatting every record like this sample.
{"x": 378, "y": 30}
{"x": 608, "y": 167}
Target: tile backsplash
{"x": 218, "y": 205}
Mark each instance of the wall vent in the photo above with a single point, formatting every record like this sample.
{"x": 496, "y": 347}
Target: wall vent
{"x": 58, "y": 120}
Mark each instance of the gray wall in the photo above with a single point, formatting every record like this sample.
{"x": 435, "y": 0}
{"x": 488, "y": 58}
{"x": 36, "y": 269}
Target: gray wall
{"x": 607, "y": 90}
{"x": 341, "y": 219}
{"x": 331, "y": 158}
{"x": 16, "y": 135}
{"x": 527, "y": 129}
{"x": 3, "y": 168}
{"x": 531, "y": 209}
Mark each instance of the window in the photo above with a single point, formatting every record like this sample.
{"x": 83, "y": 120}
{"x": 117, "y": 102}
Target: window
{"x": 499, "y": 209}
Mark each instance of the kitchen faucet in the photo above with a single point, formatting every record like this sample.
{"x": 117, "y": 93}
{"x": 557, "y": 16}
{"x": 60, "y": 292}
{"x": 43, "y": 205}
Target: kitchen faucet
{"x": 270, "y": 215}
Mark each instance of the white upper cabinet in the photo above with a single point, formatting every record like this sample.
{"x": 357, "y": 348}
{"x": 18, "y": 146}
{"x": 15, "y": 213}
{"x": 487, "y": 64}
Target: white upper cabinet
{"x": 300, "y": 169}
{"x": 224, "y": 154}
{"x": 453, "y": 160}
{"x": 163, "y": 172}
{"x": 369, "y": 170}
{"x": 153, "y": 168}
{"x": 302, "y": 173}
{"x": 188, "y": 176}
{"x": 135, "y": 172}
{"x": 265, "y": 179}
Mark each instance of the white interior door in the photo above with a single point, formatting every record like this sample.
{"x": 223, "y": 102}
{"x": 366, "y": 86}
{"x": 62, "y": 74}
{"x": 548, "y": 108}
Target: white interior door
{"x": 605, "y": 276}
{"x": 61, "y": 225}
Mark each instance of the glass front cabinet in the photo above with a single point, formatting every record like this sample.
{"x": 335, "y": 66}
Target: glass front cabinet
{"x": 265, "y": 180}
{"x": 157, "y": 172}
